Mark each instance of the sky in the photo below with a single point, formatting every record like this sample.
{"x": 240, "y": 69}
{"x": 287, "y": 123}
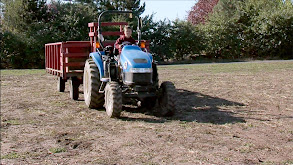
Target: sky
{"x": 170, "y": 9}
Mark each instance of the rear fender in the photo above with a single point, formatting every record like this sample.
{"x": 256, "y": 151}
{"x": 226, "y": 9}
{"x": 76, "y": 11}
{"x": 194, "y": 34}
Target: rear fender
{"x": 96, "y": 56}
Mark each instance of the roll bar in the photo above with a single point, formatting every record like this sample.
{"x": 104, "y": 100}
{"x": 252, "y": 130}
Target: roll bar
{"x": 119, "y": 12}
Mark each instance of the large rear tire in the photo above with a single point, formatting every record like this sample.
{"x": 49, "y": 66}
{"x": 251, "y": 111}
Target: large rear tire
{"x": 155, "y": 76}
{"x": 113, "y": 99}
{"x": 167, "y": 99}
{"x": 91, "y": 85}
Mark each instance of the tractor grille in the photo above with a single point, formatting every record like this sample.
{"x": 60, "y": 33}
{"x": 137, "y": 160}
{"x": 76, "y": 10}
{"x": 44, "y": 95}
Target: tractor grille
{"x": 138, "y": 78}
{"x": 140, "y": 60}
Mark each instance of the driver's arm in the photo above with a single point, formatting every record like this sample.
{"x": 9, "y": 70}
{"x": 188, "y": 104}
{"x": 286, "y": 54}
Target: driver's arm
{"x": 133, "y": 41}
{"x": 118, "y": 43}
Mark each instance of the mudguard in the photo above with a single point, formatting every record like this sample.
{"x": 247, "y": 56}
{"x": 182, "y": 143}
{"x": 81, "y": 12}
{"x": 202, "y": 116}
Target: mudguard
{"x": 96, "y": 56}
{"x": 134, "y": 57}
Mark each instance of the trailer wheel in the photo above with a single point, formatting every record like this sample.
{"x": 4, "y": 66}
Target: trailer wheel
{"x": 73, "y": 88}
{"x": 167, "y": 99}
{"x": 91, "y": 85}
{"x": 60, "y": 84}
{"x": 113, "y": 99}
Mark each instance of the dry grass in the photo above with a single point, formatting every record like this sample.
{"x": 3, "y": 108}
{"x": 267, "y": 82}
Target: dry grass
{"x": 238, "y": 113}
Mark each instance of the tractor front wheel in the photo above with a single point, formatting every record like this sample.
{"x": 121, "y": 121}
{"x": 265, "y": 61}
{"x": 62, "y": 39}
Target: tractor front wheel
{"x": 167, "y": 99}
{"x": 113, "y": 99}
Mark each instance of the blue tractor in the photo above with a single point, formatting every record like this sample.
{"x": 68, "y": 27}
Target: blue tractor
{"x": 112, "y": 80}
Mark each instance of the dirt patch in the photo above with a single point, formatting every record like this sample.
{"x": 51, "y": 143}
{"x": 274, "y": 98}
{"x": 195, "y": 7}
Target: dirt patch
{"x": 226, "y": 114}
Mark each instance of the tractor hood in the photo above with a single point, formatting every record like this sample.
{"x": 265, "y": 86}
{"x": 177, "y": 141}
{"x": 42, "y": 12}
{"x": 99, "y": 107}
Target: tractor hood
{"x": 133, "y": 59}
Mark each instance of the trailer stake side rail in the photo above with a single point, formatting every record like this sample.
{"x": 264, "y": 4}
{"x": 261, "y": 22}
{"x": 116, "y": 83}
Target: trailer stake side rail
{"x": 66, "y": 59}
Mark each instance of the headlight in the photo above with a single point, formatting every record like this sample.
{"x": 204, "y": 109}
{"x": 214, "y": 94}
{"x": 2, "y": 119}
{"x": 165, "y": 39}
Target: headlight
{"x": 141, "y": 70}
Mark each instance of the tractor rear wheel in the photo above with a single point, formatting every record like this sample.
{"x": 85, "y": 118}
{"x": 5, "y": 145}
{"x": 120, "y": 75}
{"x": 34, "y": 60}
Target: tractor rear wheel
{"x": 113, "y": 99}
{"x": 73, "y": 88}
{"x": 155, "y": 75}
{"x": 91, "y": 85}
{"x": 60, "y": 84}
{"x": 167, "y": 99}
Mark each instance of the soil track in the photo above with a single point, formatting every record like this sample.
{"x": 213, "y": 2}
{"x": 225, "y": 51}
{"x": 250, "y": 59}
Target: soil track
{"x": 226, "y": 114}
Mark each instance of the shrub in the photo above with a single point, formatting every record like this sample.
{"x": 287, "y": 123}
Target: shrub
{"x": 252, "y": 28}
{"x": 185, "y": 39}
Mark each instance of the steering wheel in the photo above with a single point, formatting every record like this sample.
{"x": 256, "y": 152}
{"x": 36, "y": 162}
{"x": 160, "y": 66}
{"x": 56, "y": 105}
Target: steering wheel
{"x": 122, "y": 45}
{"x": 125, "y": 43}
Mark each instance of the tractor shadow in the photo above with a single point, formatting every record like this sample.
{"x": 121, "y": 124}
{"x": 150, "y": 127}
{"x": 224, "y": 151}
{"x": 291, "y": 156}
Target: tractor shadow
{"x": 196, "y": 107}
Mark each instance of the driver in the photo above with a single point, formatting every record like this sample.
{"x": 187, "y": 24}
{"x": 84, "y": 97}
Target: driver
{"x": 124, "y": 38}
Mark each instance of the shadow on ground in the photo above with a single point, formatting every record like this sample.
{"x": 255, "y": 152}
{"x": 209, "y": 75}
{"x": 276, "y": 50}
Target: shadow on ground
{"x": 196, "y": 107}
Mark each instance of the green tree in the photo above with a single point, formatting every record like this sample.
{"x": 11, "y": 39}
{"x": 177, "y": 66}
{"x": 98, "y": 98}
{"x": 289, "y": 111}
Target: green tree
{"x": 184, "y": 39}
{"x": 21, "y": 14}
{"x": 12, "y": 51}
{"x": 21, "y": 21}
{"x": 222, "y": 39}
{"x": 252, "y": 28}
{"x": 272, "y": 28}
{"x": 130, "y": 5}
{"x": 159, "y": 35}
{"x": 69, "y": 22}
{"x": 29, "y": 24}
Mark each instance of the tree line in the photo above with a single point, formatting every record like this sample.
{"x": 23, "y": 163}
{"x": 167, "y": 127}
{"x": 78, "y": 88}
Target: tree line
{"x": 228, "y": 29}
{"x": 249, "y": 29}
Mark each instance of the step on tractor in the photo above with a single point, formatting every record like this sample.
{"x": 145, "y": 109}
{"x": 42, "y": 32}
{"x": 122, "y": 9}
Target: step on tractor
{"x": 110, "y": 79}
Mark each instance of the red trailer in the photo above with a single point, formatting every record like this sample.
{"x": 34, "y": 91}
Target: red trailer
{"x": 66, "y": 59}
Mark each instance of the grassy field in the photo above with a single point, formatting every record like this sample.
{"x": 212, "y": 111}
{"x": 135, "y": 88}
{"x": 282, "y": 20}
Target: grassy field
{"x": 231, "y": 113}
{"x": 22, "y": 72}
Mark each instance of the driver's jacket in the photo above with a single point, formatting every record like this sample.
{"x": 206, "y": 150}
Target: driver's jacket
{"x": 122, "y": 39}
